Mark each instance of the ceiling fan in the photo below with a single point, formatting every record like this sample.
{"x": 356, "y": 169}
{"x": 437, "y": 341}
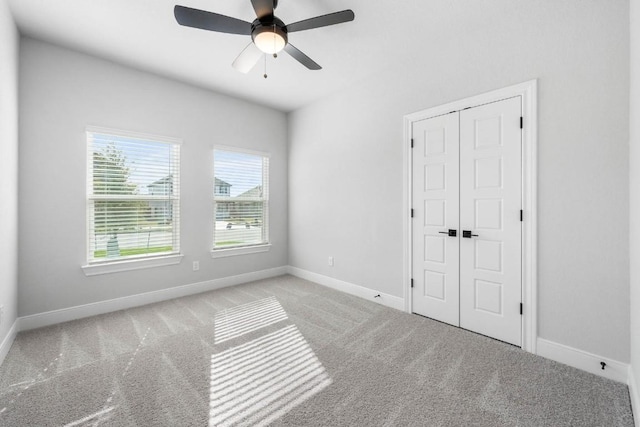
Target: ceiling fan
{"x": 269, "y": 35}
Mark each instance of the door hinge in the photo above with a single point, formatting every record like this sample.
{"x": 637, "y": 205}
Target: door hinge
{"x": 412, "y": 283}
{"x": 521, "y": 122}
{"x": 411, "y": 142}
{"x": 411, "y": 213}
{"x": 521, "y": 215}
{"x": 520, "y": 308}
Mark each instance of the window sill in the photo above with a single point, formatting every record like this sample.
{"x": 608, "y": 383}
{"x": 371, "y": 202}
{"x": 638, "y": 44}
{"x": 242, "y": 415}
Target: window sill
{"x": 220, "y": 253}
{"x": 130, "y": 264}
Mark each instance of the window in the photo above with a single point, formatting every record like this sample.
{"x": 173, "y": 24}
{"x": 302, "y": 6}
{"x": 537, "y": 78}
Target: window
{"x": 241, "y": 202}
{"x": 133, "y": 197}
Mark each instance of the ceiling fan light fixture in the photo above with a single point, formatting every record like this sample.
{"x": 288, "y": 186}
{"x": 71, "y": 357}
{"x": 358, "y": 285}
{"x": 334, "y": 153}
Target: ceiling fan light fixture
{"x": 270, "y": 40}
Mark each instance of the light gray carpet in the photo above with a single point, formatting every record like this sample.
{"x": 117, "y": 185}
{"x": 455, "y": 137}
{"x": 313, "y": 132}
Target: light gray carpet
{"x": 288, "y": 352}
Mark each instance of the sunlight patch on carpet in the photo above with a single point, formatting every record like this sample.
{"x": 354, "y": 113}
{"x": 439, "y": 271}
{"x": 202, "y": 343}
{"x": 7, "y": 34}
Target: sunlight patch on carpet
{"x": 93, "y": 417}
{"x": 246, "y": 318}
{"x": 259, "y": 381}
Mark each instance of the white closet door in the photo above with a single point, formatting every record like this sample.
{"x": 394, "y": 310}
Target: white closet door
{"x": 436, "y": 211}
{"x": 490, "y": 203}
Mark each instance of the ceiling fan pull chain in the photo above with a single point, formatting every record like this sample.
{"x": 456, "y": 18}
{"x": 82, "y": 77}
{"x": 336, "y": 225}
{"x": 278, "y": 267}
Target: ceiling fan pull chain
{"x": 275, "y": 54}
{"x": 265, "y": 66}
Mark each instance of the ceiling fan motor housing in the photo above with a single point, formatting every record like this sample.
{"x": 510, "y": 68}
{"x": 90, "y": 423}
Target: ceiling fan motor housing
{"x": 270, "y": 25}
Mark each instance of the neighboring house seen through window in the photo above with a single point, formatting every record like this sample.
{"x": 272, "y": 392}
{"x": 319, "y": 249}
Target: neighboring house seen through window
{"x": 133, "y": 197}
{"x": 241, "y": 199}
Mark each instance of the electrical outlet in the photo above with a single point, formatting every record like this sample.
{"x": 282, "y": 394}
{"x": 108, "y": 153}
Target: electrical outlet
{"x": 331, "y": 261}
{"x": 196, "y": 265}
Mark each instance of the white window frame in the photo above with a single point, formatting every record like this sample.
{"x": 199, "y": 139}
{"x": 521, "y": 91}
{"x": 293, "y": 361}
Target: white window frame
{"x": 247, "y": 249}
{"x": 99, "y": 267}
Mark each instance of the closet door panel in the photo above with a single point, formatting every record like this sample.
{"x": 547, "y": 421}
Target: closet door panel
{"x": 490, "y": 203}
{"x": 436, "y": 211}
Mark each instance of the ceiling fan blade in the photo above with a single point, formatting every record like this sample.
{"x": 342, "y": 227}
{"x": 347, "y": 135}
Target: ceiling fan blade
{"x": 248, "y": 58}
{"x": 322, "y": 21}
{"x": 301, "y": 57}
{"x": 204, "y": 20}
{"x": 264, "y": 7}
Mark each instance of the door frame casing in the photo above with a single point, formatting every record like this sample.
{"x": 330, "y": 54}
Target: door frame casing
{"x": 528, "y": 93}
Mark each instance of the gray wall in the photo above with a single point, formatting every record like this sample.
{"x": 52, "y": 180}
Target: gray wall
{"x": 61, "y": 92}
{"x": 345, "y": 156}
{"x": 634, "y": 235}
{"x": 8, "y": 169}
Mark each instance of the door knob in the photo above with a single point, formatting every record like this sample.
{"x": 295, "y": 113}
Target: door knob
{"x": 467, "y": 234}
{"x": 451, "y": 232}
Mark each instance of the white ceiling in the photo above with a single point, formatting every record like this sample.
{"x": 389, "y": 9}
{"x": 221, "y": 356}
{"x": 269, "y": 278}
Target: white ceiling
{"x": 145, "y": 35}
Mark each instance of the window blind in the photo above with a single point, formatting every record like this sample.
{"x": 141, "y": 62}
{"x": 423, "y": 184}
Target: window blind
{"x": 241, "y": 199}
{"x": 133, "y": 197}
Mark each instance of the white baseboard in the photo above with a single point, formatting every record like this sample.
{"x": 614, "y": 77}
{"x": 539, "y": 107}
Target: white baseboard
{"x": 72, "y": 313}
{"x": 8, "y": 340}
{"x": 614, "y": 370}
{"x": 349, "y": 288}
{"x": 634, "y": 394}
